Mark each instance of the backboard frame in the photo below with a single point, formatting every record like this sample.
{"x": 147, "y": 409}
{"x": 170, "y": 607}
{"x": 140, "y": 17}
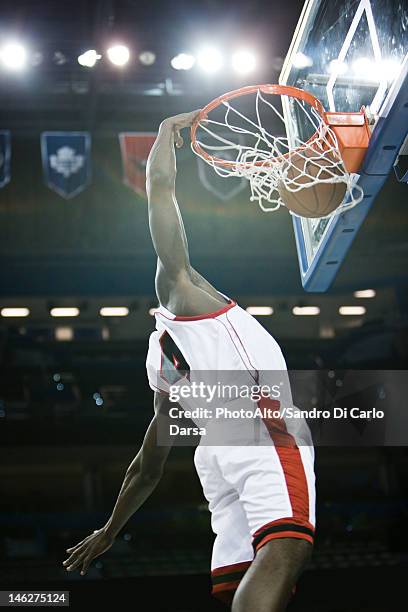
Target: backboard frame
{"x": 319, "y": 267}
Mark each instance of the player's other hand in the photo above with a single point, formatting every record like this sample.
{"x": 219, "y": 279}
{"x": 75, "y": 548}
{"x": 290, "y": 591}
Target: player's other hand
{"x": 82, "y": 554}
{"x": 178, "y": 122}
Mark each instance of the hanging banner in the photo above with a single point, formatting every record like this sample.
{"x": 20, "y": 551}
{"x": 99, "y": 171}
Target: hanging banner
{"x": 5, "y": 157}
{"x": 66, "y": 159}
{"x": 135, "y": 148}
{"x": 224, "y": 188}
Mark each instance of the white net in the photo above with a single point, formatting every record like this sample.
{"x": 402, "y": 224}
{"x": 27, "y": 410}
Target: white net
{"x": 238, "y": 142}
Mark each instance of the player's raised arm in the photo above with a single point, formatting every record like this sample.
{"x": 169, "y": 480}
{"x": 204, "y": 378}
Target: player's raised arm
{"x": 166, "y": 225}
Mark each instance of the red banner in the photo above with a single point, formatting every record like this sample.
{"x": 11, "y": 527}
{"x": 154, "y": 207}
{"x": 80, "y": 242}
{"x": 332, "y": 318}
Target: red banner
{"x": 135, "y": 148}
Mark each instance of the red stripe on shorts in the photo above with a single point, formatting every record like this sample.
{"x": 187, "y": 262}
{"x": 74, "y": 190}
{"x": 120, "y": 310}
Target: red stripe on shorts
{"x": 292, "y": 466}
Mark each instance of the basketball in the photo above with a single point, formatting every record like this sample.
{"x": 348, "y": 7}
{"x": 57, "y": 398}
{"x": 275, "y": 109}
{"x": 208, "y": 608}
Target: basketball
{"x": 317, "y": 200}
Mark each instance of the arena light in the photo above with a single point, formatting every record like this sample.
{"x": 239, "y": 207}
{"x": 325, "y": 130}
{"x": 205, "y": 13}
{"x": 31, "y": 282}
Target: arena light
{"x": 59, "y": 58}
{"x": 210, "y": 59}
{"x": 64, "y": 312}
{"x": 389, "y": 69}
{"x": 13, "y": 56}
{"x": 243, "y": 61}
{"x": 147, "y": 58}
{"x": 36, "y": 58}
{"x": 352, "y": 310}
{"x": 307, "y": 311}
{"x": 260, "y": 311}
{"x": 183, "y": 61}
{"x": 64, "y": 334}
{"x": 15, "y": 312}
{"x": 301, "y": 60}
{"x": 114, "y": 311}
{"x": 89, "y": 58}
{"x": 337, "y": 67}
{"x": 365, "y": 293}
{"x": 369, "y": 70}
{"x": 119, "y": 55}
{"x": 366, "y": 69}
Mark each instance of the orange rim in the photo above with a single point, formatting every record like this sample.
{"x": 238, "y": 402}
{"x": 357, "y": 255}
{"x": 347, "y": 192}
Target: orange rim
{"x": 286, "y": 90}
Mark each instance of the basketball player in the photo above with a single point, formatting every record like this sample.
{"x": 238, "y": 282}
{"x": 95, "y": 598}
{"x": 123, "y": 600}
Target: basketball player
{"x": 261, "y": 498}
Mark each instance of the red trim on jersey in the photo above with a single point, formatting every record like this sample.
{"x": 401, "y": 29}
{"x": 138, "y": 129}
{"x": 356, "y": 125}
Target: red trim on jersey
{"x": 208, "y": 315}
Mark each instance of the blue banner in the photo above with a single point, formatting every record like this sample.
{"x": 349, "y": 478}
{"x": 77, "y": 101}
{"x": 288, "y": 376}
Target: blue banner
{"x": 66, "y": 159}
{"x": 5, "y": 157}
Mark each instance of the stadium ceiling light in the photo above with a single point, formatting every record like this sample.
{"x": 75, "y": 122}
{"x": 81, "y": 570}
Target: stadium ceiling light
{"x": 119, "y": 55}
{"x": 183, "y": 61}
{"x": 388, "y": 69}
{"x": 337, "y": 67}
{"x": 89, "y": 58}
{"x": 13, "y": 56}
{"x": 365, "y": 293}
{"x": 370, "y": 70}
{"x": 352, "y": 310}
{"x": 306, "y": 310}
{"x": 243, "y": 61}
{"x": 36, "y": 58}
{"x": 301, "y": 60}
{"x": 114, "y": 311}
{"x": 366, "y": 69}
{"x": 260, "y": 311}
{"x": 15, "y": 312}
{"x": 147, "y": 58}
{"x": 64, "y": 312}
{"x": 210, "y": 59}
{"x": 64, "y": 334}
{"x": 59, "y": 58}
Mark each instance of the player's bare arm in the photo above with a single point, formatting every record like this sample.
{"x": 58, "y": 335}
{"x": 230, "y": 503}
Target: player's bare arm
{"x": 141, "y": 478}
{"x": 178, "y": 286}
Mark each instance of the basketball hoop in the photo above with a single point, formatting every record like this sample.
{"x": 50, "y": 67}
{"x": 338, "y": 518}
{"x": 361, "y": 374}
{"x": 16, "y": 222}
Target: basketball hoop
{"x": 240, "y": 143}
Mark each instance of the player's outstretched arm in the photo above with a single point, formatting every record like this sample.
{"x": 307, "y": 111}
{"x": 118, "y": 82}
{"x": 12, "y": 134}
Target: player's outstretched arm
{"x": 141, "y": 478}
{"x": 166, "y": 225}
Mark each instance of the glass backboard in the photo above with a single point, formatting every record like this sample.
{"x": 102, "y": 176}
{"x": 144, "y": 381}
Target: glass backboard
{"x": 348, "y": 54}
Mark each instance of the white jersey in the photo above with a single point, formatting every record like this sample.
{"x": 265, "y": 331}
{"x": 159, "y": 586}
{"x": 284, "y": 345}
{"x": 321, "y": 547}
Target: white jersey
{"x": 229, "y": 342}
{"x": 227, "y": 339}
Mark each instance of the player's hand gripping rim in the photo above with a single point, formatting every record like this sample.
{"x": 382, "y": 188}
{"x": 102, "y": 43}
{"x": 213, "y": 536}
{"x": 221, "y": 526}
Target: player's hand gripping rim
{"x": 178, "y": 122}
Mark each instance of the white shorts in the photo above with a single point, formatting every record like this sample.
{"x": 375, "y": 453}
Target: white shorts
{"x": 255, "y": 494}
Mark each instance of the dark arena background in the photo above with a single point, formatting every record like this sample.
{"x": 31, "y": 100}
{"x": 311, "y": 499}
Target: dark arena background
{"x": 74, "y": 396}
